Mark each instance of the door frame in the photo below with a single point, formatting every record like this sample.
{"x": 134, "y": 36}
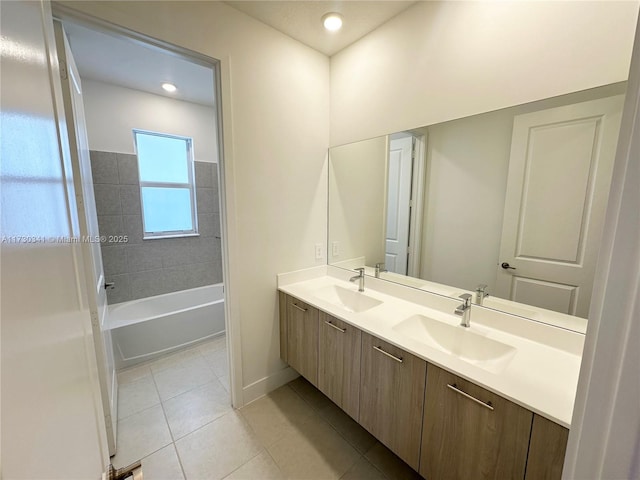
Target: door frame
{"x": 222, "y": 81}
{"x": 417, "y": 202}
{"x": 604, "y": 427}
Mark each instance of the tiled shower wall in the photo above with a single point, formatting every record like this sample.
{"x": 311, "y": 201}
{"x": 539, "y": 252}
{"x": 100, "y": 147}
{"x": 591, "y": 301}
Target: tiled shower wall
{"x": 144, "y": 268}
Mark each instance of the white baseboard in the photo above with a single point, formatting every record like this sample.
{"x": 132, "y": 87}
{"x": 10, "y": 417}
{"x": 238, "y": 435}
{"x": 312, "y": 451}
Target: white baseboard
{"x": 267, "y": 384}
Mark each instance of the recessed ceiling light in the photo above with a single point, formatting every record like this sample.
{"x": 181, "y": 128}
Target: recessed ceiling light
{"x": 169, "y": 87}
{"x": 332, "y": 21}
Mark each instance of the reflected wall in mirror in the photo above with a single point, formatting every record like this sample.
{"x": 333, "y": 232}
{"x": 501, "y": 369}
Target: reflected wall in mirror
{"x": 512, "y": 199}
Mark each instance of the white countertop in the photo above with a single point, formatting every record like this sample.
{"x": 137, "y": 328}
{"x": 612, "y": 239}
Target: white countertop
{"x": 542, "y": 376}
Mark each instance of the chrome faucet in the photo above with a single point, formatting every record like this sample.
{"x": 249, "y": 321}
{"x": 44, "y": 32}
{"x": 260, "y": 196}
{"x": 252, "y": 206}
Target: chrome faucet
{"x": 360, "y": 278}
{"x": 480, "y": 294}
{"x": 379, "y": 269}
{"x": 464, "y": 310}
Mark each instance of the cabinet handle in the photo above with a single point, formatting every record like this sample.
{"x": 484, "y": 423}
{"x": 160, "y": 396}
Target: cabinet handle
{"x": 336, "y": 327}
{"x": 455, "y": 388}
{"x": 299, "y": 308}
{"x": 397, "y": 359}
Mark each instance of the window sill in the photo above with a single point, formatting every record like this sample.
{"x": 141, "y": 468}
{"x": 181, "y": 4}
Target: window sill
{"x": 177, "y": 235}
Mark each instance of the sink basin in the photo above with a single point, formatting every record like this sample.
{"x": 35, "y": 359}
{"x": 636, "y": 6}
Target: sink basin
{"x": 464, "y": 343}
{"x": 349, "y": 300}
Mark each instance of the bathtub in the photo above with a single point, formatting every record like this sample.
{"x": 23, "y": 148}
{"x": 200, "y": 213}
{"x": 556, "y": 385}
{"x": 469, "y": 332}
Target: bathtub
{"x": 147, "y": 328}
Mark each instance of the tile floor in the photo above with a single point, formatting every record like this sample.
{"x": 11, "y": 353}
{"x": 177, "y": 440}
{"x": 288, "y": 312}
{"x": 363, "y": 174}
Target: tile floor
{"x": 175, "y": 414}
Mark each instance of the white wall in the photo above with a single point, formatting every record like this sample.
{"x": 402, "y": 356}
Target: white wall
{"x": 276, "y": 133}
{"x": 467, "y": 160}
{"x": 357, "y": 199}
{"x": 113, "y": 112}
{"x": 437, "y": 61}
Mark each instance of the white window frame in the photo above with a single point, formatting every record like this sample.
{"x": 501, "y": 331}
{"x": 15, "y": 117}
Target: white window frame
{"x": 191, "y": 185}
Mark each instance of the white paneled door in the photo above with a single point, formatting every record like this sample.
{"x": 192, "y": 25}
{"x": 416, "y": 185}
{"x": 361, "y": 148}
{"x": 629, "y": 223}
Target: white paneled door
{"x": 52, "y": 422}
{"x": 557, "y": 190}
{"x": 88, "y": 225}
{"x": 398, "y": 204}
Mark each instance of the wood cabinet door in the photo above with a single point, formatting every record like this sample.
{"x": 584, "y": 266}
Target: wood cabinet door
{"x": 339, "y": 363}
{"x": 546, "y": 450}
{"x": 302, "y": 338}
{"x": 469, "y": 432}
{"x": 392, "y": 386}
{"x": 282, "y": 311}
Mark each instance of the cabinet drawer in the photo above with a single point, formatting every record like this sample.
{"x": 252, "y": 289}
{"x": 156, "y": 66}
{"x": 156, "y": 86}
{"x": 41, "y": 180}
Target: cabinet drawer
{"x": 339, "y": 363}
{"x": 469, "y": 432}
{"x": 391, "y": 397}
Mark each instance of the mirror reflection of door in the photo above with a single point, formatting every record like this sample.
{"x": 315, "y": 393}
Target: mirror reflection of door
{"x": 559, "y": 175}
{"x": 400, "y": 164}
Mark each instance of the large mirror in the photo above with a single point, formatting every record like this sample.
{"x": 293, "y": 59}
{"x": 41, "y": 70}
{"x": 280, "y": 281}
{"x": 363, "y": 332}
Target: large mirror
{"x": 510, "y": 203}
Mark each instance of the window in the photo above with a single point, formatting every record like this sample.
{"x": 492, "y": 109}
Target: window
{"x": 165, "y": 164}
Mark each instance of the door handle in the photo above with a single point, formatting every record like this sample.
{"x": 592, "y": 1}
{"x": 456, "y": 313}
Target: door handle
{"x": 506, "y": 266}
{"x": 109, "y": 285}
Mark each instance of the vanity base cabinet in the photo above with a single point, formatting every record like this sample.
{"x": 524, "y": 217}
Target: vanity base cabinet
{"x": 392, "y": 386}
{"x": 302, "y": 338}
{"x": 282, "y": 311}
{"x": 546, "y": 450}
{"x": 469, "y": 432}
{"x": 339, "y": 363}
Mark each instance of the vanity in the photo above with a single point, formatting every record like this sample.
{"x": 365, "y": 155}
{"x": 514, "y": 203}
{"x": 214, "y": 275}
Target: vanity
{"x": 493, "y": 400}
{"x": 477, "y": 241}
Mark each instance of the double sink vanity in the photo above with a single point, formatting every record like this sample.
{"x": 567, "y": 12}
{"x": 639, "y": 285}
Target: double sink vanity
{"x": 492, "y": 400}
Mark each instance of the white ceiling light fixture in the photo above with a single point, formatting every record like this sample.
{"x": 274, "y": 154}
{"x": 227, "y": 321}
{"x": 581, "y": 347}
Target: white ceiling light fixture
{"x": 169, "y": 87}
{"x": 332, "y": 21}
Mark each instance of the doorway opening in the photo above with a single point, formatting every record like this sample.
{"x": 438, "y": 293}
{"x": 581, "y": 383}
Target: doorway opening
{"x": 148, "y": 175}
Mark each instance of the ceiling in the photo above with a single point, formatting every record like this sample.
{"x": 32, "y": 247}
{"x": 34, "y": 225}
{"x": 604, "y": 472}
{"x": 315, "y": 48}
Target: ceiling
{"x": 302, "y": 20}
{"x": 123, "y": 61}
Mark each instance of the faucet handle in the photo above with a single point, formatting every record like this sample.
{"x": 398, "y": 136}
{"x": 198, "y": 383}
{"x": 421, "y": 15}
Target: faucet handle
{"x": 466, "y": 298}
{"x": 481, "y": 287}
{"x": 360, "y": 270}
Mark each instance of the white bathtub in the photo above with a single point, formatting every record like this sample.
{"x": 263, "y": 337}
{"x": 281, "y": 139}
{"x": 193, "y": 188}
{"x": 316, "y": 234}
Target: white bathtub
{"x": 147, "y": 328}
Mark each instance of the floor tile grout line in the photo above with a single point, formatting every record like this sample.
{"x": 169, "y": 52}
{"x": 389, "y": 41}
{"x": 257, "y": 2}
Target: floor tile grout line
{"x": 373, "y": 465}
{"x": 148, "y": 363}
{"x": 191, "y": 390}
{"x": 215, "y": 377}
{"x": 176, "y": 353}
{"x": 139, "y": 411}
{"x": 274, "y": 461}
{"x": 166, "y": 419}
{"x": 317, "y": 411}
{"x": 205, "y": 424}
{"x": 175, "y": 449}
{"x": 148, "y": 371}
{"x": 239, "y": 467}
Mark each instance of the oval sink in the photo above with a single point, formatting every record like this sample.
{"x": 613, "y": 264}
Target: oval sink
{"x": 462, "y": 342}
{"x": 349, "y": 300}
